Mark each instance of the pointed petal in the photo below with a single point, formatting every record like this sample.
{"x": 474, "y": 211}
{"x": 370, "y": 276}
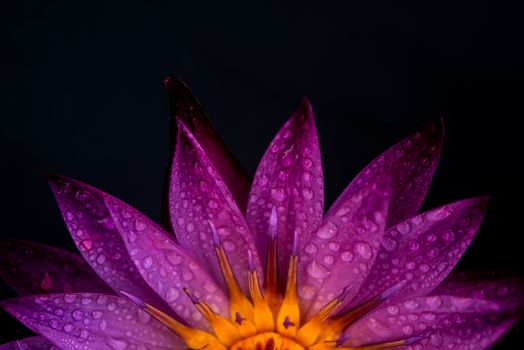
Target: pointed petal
{"x": 91, "y": 321}
{"x": 424, "y": 249}
{"x": 33, "y": 268}
{"x": 32, "y": 343}
{"x": 504, "y": 288}
{"x": 164, "y": 265}
{"x": 185, "y": 106}
{"x": 199, "y": 196}
{"x": 94, "y": 233}
{"x": 447, "y": 322}
{"x": 343, "y": 249}
{"x": 289, "y": 178}
{"x": 411, "y": 164}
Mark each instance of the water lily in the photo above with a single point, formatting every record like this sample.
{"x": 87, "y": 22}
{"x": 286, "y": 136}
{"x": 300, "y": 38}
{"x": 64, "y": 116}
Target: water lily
{"x": 240, "y": 264}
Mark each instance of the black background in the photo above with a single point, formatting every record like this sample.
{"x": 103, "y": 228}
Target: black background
{"x": 82, "y": 95}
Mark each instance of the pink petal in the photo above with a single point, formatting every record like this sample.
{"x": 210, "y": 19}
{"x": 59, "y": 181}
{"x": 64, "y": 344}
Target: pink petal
{"x": 446, "y": 322}
{"x": 95, "y": 235}
{"x": 504, "y": 288}
{"x": 289, "y": 178}
{"x": 33, "y": 268}
{"x": 91, "y": 321}
{"x": 33, "y": 343}
{"x": 411, "y": 164}
{"x": 186, "y": 107}
{"x": 344, "y": 248}
{"x": 424, "y": 249}
{"x": 198, "y": 197}
{"x": 164, "y": 265}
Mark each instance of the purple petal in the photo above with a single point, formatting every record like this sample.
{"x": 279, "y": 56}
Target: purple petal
{"x": 198, "y": 197}
{"x": 33, "y": 268}
{"x": 448, "y": 322}
{"x": 186, "y": 107}
{"x": 289, "y": 178}
{"x": 424, "y": 249}
{"x": 164, "y": 265}
{"x": 504, "y": 288}
{"x": 344, "y": 248}
{"x": 32, "y": 343}
{"x": 411, "y": 164}
{"x": 95, "y": 235}
{"x": 91, "y": 321}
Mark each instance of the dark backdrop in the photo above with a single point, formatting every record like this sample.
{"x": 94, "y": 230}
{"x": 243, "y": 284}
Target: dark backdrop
{"x": 82, "y": 94}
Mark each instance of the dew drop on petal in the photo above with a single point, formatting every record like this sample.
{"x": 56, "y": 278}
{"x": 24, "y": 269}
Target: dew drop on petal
{"x": 364, "y": 250}
{"x": 316, "y": 270}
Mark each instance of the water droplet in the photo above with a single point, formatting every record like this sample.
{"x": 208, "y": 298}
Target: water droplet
{"x": 328, "y": 259}
{"x": 116, "y": 344}
{"x": 279, "y": 194}
{"x": 316, "y": 270}
{"x": 308, "y": 193}
{"x": 414, "y": 245}
{"x": 140, "y": 225}
{"x": 289, "y": 157}
{"x": 190, "y": 227}
{"x": 334, "y": 246}
{"x": 347, "y": 256}
{"x": 307, "y": 176}
{"x": 448, "y": 236}
{"x": 147, "y": 262}
{"x": 47, "y": 282}
{"x": 328, "y": 230}
{"x": 311, "y": 248}
{"x": 364, "y": 250}
{"x": 389, "y": 244}
{"x": 87, "y": 244}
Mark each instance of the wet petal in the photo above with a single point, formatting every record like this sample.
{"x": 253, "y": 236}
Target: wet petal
{"x": 33, "y": 268}
{"x": 343, "y": 249}
{"x": 289, "y": 178}
{"x": 424, "y": 249}
{"x": 32, "y": 343}
{"x": 505, "y": 288}
{"x": 199, "y": 196}
{"x": 411, "y": 164}
{"x": 91, "y": 321}
{"x": 95, "y": 235}
{"x": 448, "y": 322}
{"x": 185, "y": 106}
{"x": 165, "y": 266}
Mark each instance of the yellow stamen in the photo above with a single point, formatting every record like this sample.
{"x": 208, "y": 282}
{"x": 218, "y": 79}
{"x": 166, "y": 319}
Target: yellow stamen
{"x": 262, "y": 314}
{"x": 308, "y": 333}
{"x": 288, "y": 319}
{"x": 238, "y": 303}
{"x": 194, "y": 338}
{"x": 226, "y": 332}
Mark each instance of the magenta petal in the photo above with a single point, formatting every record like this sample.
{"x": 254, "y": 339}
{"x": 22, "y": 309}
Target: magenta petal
{"x": 424, "y": 249}
{"x": 198, "y": 197}
{"x": 91, "y": 321}
{"x": 504, "y": 288}
{"x": 344, "y": 248}
{"x": 186, "y": 107}
{"x": 32, "y": 343}
{"x": 165, "y": 266}
{"x": 445, "y": 322}
{"x": 289, "y": 178}
{"x": 33, "y": 268}
{"x": 94, "y": 233}
{"x": 411, "y": 164}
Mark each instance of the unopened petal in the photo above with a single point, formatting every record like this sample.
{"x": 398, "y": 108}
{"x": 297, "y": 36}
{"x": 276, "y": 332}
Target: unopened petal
{"x": 290, "y": 179}
{"x": 33, "y": 268}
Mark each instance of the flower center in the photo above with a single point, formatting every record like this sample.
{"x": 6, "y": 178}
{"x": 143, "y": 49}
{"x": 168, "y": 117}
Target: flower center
{"x": 267, "y": 341}
{"x": 267, "y": 319}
